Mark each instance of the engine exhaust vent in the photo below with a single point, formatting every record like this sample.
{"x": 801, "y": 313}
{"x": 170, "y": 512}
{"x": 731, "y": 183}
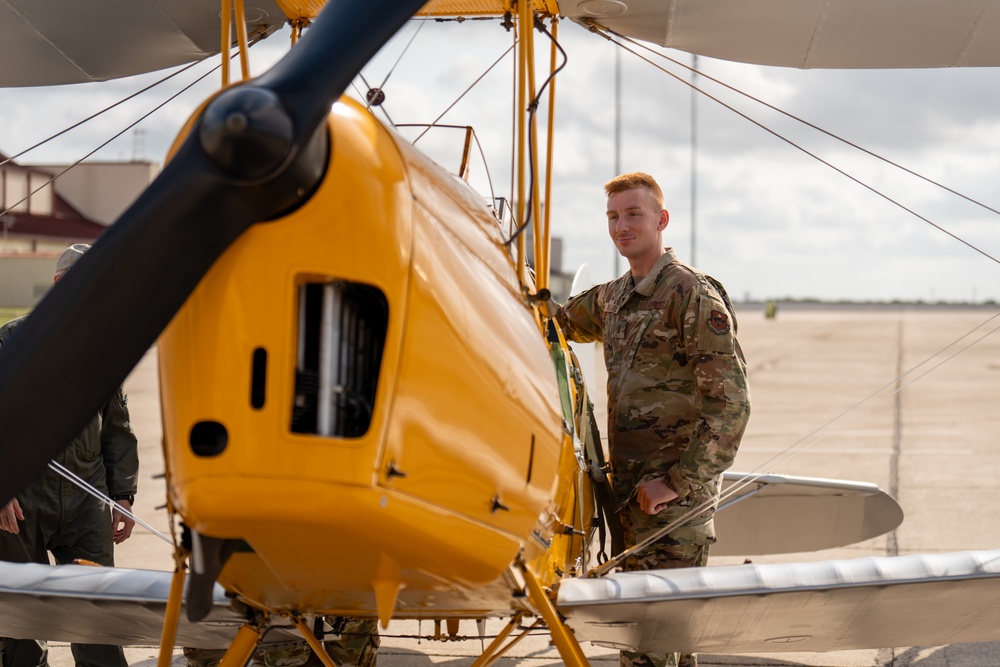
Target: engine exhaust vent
{"x": 341, "y": 339}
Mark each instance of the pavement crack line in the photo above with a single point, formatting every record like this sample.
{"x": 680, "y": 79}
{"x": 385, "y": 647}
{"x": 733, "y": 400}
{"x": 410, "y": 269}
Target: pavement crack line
{"x": 892, "y": 545}
{"x": 886, "y": 657}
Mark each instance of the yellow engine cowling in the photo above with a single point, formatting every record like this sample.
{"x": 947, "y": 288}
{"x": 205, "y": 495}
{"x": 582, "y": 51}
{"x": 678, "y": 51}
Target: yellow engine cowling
{"x": 390, "y": 297}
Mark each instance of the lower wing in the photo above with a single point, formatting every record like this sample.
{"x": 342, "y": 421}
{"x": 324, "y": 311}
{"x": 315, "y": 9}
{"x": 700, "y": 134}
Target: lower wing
{"x": 79, "y": 603}
{"x": 781, "y": 514}
{"x": 836, "y": 605}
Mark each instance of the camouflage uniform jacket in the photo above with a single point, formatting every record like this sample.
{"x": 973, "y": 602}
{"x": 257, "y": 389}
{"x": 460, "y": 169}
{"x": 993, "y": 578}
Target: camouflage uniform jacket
{"x": 104, "y": 453}
{"x": 678, "y": 399}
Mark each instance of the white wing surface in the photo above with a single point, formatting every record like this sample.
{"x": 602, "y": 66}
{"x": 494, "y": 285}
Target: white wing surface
{"x": 78, "y": 603}
{"x": 779, "y": 514}
{"x": 928, "y": 600}
{"x": 811, "y": 33}
{"x": 57, "y": 42}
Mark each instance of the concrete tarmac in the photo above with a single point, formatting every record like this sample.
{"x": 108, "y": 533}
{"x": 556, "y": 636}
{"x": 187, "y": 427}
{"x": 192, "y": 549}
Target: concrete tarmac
{"x": 838, "y": 392}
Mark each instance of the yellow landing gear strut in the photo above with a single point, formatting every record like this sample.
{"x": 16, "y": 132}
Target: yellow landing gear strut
{"x": 173, "y": 612}
{"x": 493, "y": 652}
{"x": 242, "y": 647}
{"x": 562, "y": 636}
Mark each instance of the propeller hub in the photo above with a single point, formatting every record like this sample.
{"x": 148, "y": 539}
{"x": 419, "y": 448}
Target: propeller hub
{"x": 247, "y": 134}
{"x": 237, "y": 122}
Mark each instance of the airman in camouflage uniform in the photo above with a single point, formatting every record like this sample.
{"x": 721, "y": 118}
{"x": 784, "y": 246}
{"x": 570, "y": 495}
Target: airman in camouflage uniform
{"x": 678, "y": 400}
{"x": 350, "y": 641}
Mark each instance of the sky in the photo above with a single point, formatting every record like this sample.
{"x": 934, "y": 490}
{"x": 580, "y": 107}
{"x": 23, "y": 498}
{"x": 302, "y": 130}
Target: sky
{"x": 760, "y": 215}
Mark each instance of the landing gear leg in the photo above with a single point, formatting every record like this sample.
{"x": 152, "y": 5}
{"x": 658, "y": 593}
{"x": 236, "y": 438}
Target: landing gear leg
{"x": 562, "y": 636}
{"x": 173, "y": 612}
{"x": 242, "y": 647}
{"x": 314, "y": 643}
{"x": 494, "y": 651}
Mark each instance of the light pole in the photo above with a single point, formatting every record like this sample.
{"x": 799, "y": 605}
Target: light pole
{"x": 694, "y": 155}
{"x": 618, "y": 135}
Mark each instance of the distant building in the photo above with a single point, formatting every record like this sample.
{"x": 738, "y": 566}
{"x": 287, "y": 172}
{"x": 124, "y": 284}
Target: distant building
{"x": 39, "y": 220}
{"x": 102, "y": 190}
{"x": 35, "y": 217}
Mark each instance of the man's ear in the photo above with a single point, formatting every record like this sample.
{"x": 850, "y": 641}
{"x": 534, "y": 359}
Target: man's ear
{"x": 664, "y": 220}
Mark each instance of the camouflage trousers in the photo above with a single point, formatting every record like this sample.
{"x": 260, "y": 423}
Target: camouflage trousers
{"x": 668, "y": 553}
{"x": 354, "y": 641}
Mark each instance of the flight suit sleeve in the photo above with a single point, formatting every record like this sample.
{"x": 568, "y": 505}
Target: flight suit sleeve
{"x": 721, "y": 393}
{"x": 582, "y": 318}
{"x": 7, "y": 329}
{"x": 119, "y": 447}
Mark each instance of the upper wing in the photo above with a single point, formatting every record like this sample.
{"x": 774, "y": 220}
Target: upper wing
{"x": 779, "y": 514}
{"x": 811, "y": 33}
{"x": 927, "y": 600}
{"x": 57, "y": 42}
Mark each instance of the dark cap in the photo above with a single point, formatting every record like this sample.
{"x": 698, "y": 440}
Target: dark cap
{"x": 69, "y": 256}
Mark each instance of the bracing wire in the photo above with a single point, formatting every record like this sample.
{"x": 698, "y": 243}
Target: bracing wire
{"x": 97, "y": 114}
{"x": 811, "y": 125}
{"x": 368, "y": 98}
{"x": 110, "y": 107}
{"x": 109, "y": 140}
{"x": 114, "y": 136}
{"x": 407, "y": 47}
{"x": 381, "y": 106}
{"x": 399, "y": 58}
{"x": 801, "y": 148}
{"x": 465, "y": 92}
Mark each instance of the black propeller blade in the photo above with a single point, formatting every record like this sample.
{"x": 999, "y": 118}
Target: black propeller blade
{"x": 259, "y": 150}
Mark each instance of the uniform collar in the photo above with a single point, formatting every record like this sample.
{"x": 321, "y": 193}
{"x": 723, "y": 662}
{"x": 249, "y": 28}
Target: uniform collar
{"x": 648, "y": 283}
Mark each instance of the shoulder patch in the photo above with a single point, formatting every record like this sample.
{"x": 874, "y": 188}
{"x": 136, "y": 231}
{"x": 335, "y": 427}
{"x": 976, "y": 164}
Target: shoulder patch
{"x": 714, "y": 329}
{"x": 718, "y": 322}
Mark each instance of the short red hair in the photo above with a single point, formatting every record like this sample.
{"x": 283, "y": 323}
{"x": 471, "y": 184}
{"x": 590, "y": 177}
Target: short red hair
{"x": 634, "y": 181}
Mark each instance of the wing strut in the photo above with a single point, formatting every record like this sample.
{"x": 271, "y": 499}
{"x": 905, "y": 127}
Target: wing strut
{"x": 494, "y": 652}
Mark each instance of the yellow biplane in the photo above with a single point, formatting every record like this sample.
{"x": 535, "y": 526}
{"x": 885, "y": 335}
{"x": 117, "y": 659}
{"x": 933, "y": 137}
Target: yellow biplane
{"x": 403, "y": 433}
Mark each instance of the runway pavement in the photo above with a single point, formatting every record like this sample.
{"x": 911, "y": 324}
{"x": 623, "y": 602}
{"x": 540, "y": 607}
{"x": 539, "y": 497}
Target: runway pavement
{"x": 835, "y": 382}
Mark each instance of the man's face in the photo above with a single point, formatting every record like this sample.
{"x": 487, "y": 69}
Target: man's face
{"x": 635, "y": 223}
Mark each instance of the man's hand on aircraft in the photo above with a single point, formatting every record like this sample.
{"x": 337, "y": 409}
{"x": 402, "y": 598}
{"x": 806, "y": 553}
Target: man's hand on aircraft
{"x": 654, "y": 495}
{"x": 121, "y": 522}
{"x": 10, "y": 515}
